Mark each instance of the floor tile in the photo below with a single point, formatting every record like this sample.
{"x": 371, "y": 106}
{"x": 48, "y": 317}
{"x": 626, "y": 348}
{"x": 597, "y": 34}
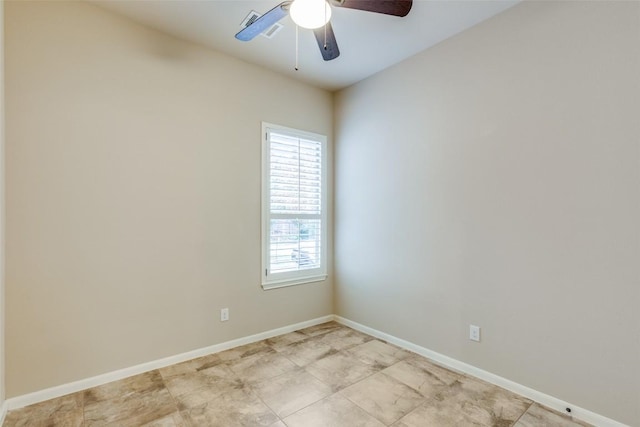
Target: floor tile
{"x": 339, "y": 370}
{"x": 130, "y": 409}
{"x": 72, "y": 418}
{"x": 322, "y": 328}
{"x": 383, "y": 397}
{"x": 194, "y": 389}
{"x": 422, "y": 375}
{"x": 173, "y": 420}
{"x": 180, "y": 384}
{"x": 190, "y": 366}
{"x": 344, "y": 338}
{"x": 244, "y": 351}
{"x": 282, "y": 341}
{"x": 146, "y": 382}
{"x": 262, "y": 366}
{"x": 378, "y": 353}
{"x": 291, "y": 392}
{"x": 308, "y": 351}
{"x": 334, "y": 411}
{"x": 468, "y": 402}
{"x": 234, "y": 409}
{"x": 132, "y": 401}
{"x": 62, "y": 410}
{"x": 539, "y": 416}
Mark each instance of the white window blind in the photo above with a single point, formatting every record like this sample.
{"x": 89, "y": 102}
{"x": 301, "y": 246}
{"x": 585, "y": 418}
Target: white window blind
{"x": 294, "y": 207}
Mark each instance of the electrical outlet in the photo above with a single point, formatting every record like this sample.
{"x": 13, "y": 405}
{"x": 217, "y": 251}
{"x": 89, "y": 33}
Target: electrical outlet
{"x": 224, "y": 314}
{"x": 474, "y": 333}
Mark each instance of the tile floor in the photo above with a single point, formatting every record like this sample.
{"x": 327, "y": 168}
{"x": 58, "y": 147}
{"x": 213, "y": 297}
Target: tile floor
{"x": 326, "y": 375}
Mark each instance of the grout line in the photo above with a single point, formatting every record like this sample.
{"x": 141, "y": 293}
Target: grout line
{"x": 265, "y": 403}
{"x": 173, "y": 398}
{"x": 522, "y": 414}
{"x": 363, "y": 409}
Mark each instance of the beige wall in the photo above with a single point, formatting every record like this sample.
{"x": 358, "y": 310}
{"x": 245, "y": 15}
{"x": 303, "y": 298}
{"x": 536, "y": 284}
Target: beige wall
{"x": 133, "y": 194}
{"x": 495, "y": 180}
{"x": 511, "y": 153}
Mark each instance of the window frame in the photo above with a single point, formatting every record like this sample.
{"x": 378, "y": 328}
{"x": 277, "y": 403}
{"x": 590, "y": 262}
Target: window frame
{"x": 291, "y": 278}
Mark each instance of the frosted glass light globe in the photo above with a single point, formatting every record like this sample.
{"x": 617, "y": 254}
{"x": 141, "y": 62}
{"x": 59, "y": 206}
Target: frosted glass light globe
{"x": 310, "y": 14}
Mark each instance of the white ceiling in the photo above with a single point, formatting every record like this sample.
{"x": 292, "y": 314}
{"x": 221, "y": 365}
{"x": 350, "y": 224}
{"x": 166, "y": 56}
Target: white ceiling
{"x": 368, "y": 42}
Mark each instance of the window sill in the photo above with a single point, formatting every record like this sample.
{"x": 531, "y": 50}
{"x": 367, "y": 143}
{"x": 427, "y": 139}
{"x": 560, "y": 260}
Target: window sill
{"x": 293, "y": 282}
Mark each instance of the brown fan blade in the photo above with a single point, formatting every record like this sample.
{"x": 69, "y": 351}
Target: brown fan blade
{"x": 328, "y": 46}
{"x": 388, "y": 7}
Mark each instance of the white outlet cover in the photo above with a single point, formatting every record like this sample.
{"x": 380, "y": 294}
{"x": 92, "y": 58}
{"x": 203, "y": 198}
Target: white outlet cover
{"x": 224, "y": 314}
{"x": 474, "y": 333}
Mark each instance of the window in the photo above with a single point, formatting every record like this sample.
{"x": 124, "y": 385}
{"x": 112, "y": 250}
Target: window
{"x": 294, "y": 220}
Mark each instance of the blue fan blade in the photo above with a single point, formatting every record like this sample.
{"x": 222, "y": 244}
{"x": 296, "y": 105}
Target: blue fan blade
{"x": 264, "y": 22}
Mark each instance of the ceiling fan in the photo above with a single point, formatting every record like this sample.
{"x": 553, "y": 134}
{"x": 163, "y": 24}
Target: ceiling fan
{"x": 315, "y": 15}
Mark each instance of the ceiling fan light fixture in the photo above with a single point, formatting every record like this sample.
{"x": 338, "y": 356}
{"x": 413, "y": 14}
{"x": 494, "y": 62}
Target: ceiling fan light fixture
{"x": 310, "y": 14}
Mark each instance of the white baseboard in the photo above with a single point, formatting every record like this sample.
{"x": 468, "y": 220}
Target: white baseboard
{"x": 3, "y": 412}
{"x": 537, "y": 396}
{"x": 61, "y": 390}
